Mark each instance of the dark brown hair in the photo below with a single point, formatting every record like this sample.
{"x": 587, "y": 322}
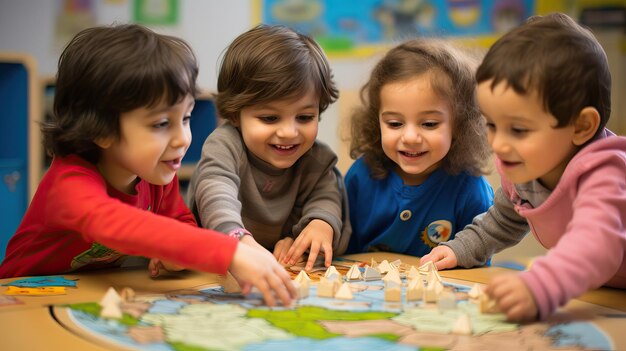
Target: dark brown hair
{"x": 269, "y": 63}
{"x": 105, "y": 71}
{"x": 562, "y": 61}
{"x": 452, "y": 79}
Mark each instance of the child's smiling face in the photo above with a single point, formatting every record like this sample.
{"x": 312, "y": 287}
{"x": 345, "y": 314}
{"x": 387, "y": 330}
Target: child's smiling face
{"x": 151, "y": 145}
{"x": 415, "y": 126}
{"x": 280, "y": 132}
{"x": 523, "y": 135}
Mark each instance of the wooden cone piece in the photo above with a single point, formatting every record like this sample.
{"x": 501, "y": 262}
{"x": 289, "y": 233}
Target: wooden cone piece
{"x": 344, "y": 292}
{"x": 110, "y": 297}
{"x": 393, "y": 277}
{"x": 325, "y": 288}
{"x": 384, "y": 267}
{"x": 301, "y": 277}
{"x": 302, "y": 289}
{"x": 332, "y": 271}
{"x": 371, "y": 274}
{"x": 413, "y": 273}
{"x": 393, "y": 294}
{"x": 415, "y": 289}
{"x": 110, "y": 303}
{"x": 354, "y": 273}
{"x": 430, "y": 270}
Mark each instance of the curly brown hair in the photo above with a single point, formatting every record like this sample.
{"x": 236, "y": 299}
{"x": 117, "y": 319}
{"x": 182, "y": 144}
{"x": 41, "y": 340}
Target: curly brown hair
{"x": 453, "y": 79}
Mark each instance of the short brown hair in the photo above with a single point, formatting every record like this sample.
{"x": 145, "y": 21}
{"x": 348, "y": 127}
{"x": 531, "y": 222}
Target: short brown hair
{"x": 105, "y": 71}
{"x": 452, "y": 79}
{"x": 559, "y": 59}
{"x": 269, "y": 63}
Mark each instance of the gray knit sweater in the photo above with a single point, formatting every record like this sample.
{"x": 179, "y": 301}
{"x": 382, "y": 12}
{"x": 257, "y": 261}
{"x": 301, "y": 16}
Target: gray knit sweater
{"x": 232, "y": 188}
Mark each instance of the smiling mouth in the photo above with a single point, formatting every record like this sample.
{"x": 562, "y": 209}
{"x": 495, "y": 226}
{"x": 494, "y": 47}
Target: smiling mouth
{"x": 413, "y": 154}
{"x": 284, "y": 147}
{"x": 175, "y": 163}
{"x": 509, "y": 163}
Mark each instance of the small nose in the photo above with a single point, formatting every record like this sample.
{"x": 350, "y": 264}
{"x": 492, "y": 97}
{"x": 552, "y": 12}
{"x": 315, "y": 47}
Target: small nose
{"x": 411, "y": 135}
{"x": 287, "y": 129}
{"x": 498, "y": 142}
{"x": 181, "y": 136}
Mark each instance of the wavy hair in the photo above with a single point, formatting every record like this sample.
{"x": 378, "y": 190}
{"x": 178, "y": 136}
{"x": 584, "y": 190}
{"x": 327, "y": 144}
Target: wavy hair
{"x": 452, "y": 79}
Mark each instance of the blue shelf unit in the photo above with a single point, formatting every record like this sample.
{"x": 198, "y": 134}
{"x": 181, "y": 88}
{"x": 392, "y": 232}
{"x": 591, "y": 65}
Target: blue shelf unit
{"x": 15, "y": 98}
{"x": 203, "y": 122}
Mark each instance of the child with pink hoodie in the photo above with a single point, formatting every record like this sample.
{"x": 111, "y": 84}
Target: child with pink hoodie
{"x": 544, "y": 89}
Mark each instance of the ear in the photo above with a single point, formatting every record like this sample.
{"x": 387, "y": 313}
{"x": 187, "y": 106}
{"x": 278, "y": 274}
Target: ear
{"x": 104, "y": 142}
{"x": 236, "y": 122}
{"x": 586, "y": 125}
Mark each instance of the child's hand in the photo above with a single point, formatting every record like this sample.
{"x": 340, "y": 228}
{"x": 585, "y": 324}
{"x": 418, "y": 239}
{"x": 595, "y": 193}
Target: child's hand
{"x": 156, "y": 266}
{"x": 281, "y": 248}
{"x": 252, "y": 267}
{"x": 316, "y": 236}
{"x": 513, "y": 298}
{"x": 442, "y": 256}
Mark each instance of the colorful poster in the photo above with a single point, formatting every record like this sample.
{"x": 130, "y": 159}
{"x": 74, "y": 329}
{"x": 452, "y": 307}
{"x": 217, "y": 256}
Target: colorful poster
{"x": 156, "y": 12}
{"x": 343, "y": 26}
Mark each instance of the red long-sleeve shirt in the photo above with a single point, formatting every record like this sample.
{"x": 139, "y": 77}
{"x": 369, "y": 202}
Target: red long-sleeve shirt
{"x": 76, "y": 220}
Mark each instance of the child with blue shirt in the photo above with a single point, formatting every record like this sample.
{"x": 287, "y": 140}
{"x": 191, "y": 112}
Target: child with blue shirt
{"x": 421, "y": 149}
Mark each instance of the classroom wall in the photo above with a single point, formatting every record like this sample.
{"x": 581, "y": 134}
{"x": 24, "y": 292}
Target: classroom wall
{"x": 210, "y": 25}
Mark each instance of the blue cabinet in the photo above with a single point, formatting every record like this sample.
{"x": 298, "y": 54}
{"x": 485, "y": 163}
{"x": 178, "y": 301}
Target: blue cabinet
{"x": 203, "y": 122}
{"x": 18, "y": 172}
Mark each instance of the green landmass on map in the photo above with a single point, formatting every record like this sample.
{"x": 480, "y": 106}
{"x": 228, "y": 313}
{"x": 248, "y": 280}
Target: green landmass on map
{"x": 303, "y": 320}
{"x": 94, "y": 308}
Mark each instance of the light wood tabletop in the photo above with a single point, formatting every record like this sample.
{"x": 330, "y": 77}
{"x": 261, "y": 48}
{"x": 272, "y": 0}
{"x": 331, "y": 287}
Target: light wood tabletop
{"x": 31, "y": 325}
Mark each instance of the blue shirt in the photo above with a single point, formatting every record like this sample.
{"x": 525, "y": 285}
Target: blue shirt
{"x": 387, "y": 215}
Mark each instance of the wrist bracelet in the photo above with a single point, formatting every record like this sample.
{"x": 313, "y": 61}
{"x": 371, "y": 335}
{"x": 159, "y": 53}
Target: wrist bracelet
{"x": 239, "y": 233}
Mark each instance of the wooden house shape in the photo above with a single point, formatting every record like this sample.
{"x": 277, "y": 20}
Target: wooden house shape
{"x": 384, "y": 267}
{"x": 302, "y": 289}
{"x": 428, "y": 269}
{"x": 344, "y": 292}
{"x": 301, "y": 277}
{"x": 371, "y": 274}
{"x": 413, "y": 273}
{"x": 433, "y": 290}
{"x": 354, "y": 273}
{"x": 328, "y": 287}
{"x": 111, "y": 304}
{"x": 415, "y": 289}
{"x": 393, "y": 294}
{"x": 332, "y": 271}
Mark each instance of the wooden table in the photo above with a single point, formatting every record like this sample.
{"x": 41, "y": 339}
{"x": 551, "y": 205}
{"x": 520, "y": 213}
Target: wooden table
{"x": 30, "y": 326}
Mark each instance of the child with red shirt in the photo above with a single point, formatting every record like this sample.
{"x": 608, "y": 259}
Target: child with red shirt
{"x": 122, "y": 106}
